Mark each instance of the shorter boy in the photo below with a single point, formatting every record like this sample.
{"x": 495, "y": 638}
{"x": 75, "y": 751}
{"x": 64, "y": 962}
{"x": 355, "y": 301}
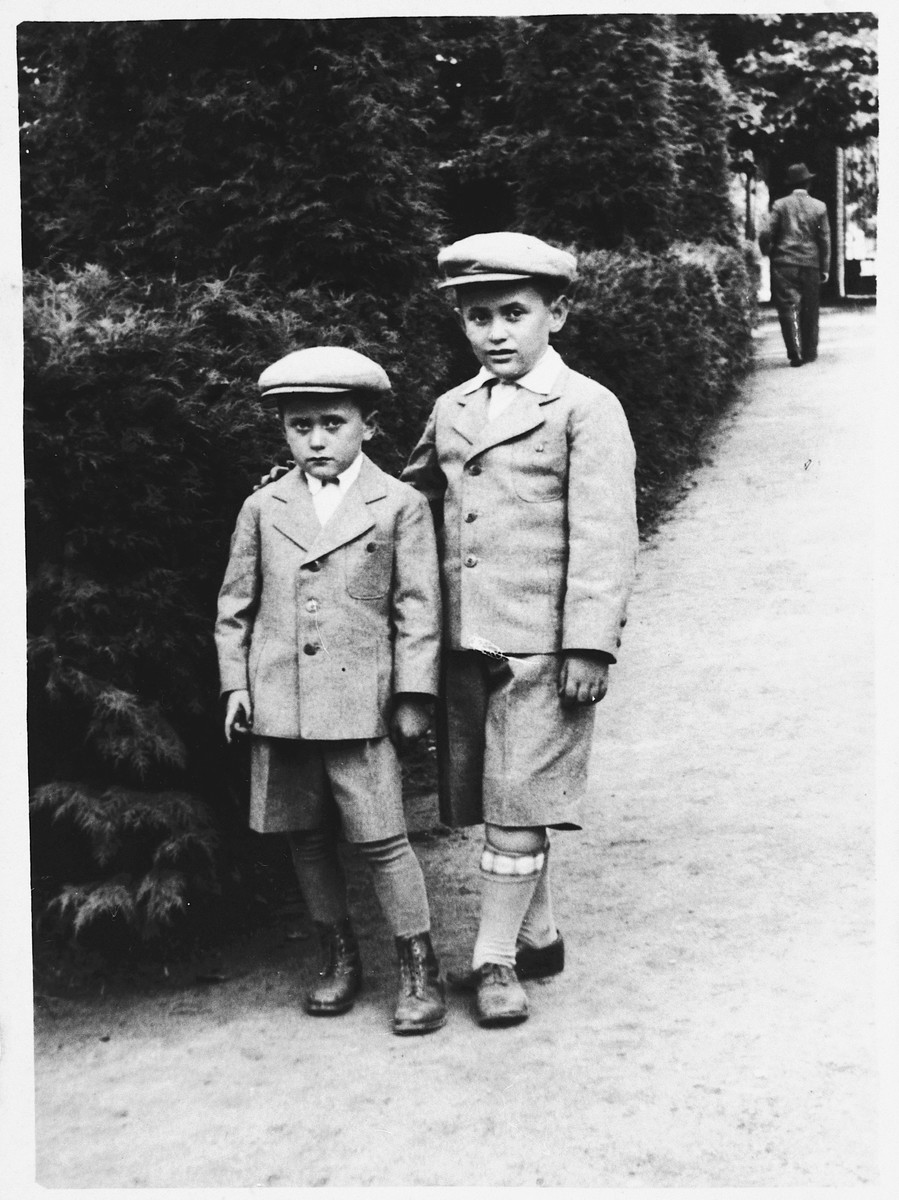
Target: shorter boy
{"x": 328, "y": 638}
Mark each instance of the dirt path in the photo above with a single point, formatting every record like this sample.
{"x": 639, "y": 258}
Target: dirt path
{"x": 715, "y": 1024}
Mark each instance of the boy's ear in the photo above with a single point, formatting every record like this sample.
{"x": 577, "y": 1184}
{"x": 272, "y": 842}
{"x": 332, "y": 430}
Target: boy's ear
{"x": 558, "y": 311}
{"x": 370, "y": 426}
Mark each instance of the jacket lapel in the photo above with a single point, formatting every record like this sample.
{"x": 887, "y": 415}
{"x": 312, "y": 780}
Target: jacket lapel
{"x": 523, "y": 414}
{"x": 353, "y": 517}
{"x": 472, "y": 414}
{"x": 295, "y": 516}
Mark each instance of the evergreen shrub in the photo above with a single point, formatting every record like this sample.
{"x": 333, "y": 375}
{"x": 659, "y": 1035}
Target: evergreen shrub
{"x": 700, "y": 101}
{"x": 143, "y": 437}
{"x": 670, "y": 335}
{"x": 297, "y": 148}
{"x": 593, "y": 129}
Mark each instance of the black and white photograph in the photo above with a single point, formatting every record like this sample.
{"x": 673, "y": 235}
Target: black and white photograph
{"x": 451, "y": 566}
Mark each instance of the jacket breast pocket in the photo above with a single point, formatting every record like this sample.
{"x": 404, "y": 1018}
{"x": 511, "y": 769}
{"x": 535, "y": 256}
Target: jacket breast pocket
{"x": 369, "y": 572}
{"x": 541, "y": 469}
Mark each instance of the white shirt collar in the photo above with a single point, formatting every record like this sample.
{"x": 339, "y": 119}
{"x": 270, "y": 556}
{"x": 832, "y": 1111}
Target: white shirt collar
{"x": 539, "y": 379}
{"x": 345, "y": 478}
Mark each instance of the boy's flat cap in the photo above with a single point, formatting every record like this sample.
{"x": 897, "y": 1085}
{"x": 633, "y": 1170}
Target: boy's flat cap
{"x": 321, "y": 369}
{"x": 494, "y": 257}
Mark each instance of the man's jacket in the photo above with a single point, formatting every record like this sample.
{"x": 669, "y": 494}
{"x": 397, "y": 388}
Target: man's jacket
{"x": 798, "y": 232}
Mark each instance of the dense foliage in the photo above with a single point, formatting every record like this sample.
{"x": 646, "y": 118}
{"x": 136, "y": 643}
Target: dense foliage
{"x": 592, "y": 130}
{"x": 802, "y": 79}
{"x": 595, "y": 151}
{"x": 143, "y": 437}
{"x": 201, "y": 197}
{"x": 670, "y": 334}
{"x": 294, "y": 148}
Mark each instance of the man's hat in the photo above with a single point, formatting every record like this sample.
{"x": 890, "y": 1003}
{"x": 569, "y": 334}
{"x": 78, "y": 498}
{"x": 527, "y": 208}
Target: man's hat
{"x": 327, "y": 369}
{"x": 799, "y": 173}
{"x": 496, "y": 257}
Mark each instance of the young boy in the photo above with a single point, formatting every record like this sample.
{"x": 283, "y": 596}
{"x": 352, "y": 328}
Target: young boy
{"x": 529, "y": 467}
{"x": 328, "y": 638}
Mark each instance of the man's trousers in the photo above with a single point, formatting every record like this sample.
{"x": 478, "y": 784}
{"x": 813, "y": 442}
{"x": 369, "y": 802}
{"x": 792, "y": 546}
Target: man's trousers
{"x": 796, "y": 292}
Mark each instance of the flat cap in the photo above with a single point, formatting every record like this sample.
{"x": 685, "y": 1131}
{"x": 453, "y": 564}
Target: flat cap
{"x": 321, "y": 369}
{"x": 493, "y": 257}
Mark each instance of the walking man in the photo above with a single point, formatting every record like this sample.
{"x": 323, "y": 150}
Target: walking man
{"x": 797, "y": 239}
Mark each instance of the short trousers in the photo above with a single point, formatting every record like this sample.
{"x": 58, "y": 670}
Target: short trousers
{"x": 354, "y": 784}
{"x": 508, "y": 752}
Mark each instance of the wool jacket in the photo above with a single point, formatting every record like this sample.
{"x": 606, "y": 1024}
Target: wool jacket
{"x": 536, "y": 516}
{"x": 323, "y": 625}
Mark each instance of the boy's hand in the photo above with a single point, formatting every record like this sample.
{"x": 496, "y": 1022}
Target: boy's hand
{"x": 238, "y": 713}
{"x": 410, "y": 720}
{"x": 275, "y": 473}
{"x": 583, "y": 678}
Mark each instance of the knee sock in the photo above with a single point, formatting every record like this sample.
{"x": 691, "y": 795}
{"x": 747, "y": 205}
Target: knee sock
{"x": 508, "y": 881}
{"x": 319, "y": 874}
{"x": 399, "y": 884}
{"x": 539, "y": 927}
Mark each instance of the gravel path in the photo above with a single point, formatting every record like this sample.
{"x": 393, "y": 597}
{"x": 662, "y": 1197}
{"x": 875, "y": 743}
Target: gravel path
{"x": 715, "y": 1025}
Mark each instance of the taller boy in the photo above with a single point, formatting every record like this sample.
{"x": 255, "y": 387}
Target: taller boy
{"x": 529, "y": 467}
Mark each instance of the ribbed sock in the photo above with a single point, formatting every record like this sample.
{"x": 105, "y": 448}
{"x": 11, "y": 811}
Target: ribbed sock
{"x": 399, "y": 884}
{"x": 320, "y": 874}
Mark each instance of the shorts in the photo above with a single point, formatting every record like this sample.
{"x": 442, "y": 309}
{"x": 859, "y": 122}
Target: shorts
{"x": 355, "y": 784}
{"x": 508, "y": 752}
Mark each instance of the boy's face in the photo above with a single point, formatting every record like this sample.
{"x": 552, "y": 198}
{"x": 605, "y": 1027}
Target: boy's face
{"x": 325, "y": 433}
{"x": 508, "y": 325}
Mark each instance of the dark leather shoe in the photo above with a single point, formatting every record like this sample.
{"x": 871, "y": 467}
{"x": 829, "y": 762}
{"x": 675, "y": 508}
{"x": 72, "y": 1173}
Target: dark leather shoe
{"x": 421, "y": 1004}
{"x": 500, "y": 998}
{"x": 537, "y": 962}
{"x": 340, "y": 977}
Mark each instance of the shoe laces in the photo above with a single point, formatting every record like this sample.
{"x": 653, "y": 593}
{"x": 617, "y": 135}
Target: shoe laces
{"x": 497, "y": 973}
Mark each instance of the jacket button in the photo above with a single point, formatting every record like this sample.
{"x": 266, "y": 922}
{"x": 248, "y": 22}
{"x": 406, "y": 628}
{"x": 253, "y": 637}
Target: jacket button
{"x": 371, "y": 547}
{"x": 310, "y": 649}
{"x": 474, "y": 469}
{"x": 311, "y": 606}
{"x": 471, "y": 561}
{"x": 313, "y": 566}
{"x": 469, "y": 517}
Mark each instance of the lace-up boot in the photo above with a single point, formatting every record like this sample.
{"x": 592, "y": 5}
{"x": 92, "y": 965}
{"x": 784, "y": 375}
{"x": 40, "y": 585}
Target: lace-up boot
{"x": 421, "y": 1003}
{"x": 339, "y": 979}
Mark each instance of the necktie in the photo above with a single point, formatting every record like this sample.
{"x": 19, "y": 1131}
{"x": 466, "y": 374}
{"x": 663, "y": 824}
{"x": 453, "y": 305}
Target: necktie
{"x": 501, "y": 396}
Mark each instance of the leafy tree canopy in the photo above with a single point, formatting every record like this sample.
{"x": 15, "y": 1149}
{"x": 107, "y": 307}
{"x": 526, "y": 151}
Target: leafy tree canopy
{"x": 799, "y": 77}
